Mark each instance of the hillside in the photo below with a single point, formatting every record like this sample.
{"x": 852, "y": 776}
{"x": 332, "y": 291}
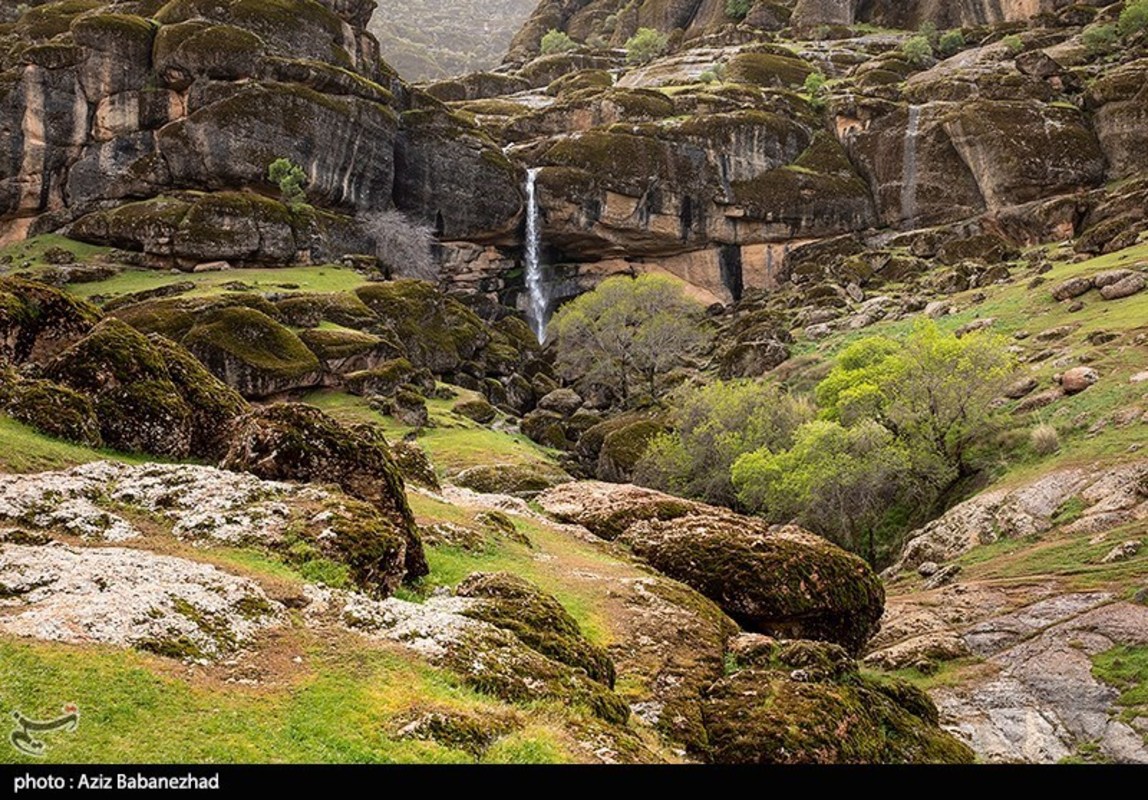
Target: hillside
{"x": 770, "y": 388}
{"x": 430, "y": 40}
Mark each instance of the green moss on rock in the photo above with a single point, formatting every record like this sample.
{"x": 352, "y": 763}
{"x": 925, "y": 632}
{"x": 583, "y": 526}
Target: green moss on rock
{"x": 252, "y": 352}
{"x": 288, "y": 441}
{"x": 52, "y": 410}
{"x": 513, "y": 479}
{"x": 803, "y": 703}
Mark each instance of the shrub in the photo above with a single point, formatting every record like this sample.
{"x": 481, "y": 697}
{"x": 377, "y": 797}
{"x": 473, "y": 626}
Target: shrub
{"x": 1133, "y": 19}
{"x": 709, "y": 76}
{"x": 1099, "y": 39}
{"x": 951, "y": 42}
{"x": 815, "y": 88}
{"x": 713, "y": 426}
{"x": 555, "y": 41}
{"x": 847, "y": 484}
{"x": 737, "y": 9}
{"x": 917, "y": 51}
{"x": 645, "y": 45}
{"x": 404, "y": 247}
{"x": 291, "y": 180}
{"x": 1013, "y": 43}
{"x": 1045, "y": 440}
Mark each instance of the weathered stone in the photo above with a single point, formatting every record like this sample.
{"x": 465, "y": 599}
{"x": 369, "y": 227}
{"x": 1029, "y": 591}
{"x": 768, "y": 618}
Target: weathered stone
{"x": 1078, "y": 379}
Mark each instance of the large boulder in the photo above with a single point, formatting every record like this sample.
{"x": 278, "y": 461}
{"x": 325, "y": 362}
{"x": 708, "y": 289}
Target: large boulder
{"x": 37, "y": 321}
{"x": 138, "y": 406}
{"x": 537, "y": 619}
{"x": 253, "y": 353}
{"x": 800, "y": 702}
{"x": 315, "y": 530}
{"x": 778, "y": 580}
{"x": 289, "y": 441}
{"x": 781, "y": 581}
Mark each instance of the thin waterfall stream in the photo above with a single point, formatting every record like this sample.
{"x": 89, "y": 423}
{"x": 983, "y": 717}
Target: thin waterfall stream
{"x": 909, "y": 166}
{"x": 536, "y": 285}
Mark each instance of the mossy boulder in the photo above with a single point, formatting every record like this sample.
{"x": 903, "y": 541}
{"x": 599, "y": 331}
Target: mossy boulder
{"x": 52, "y": 410}
{"x": 385, "y": 379}
{"x": 784, "y": 582}
{"x": 414, "y": 464}
{"x": 547, "y": 428}
{"x": 298, "y": 442}
{"x": 37, "y": 321}
{"x": 342, "y": 351}
{"x": 439, "y": 332}
{"x": 138, "y": 406}
{"x": 806, "y": 703}
{"x": 513, "y": 479}
{"x": 623, "y": 447}
{"x": 495, "y": 662}
{"x": 309, "y": 310}
{"x": 253, "y": 353}
{"x": 768, "y": 69}
{"x": 609, "y": 509}
{"x": 214, "y": 404}
{"x": 475, "y": 409}
{"x": 537, "y": 619}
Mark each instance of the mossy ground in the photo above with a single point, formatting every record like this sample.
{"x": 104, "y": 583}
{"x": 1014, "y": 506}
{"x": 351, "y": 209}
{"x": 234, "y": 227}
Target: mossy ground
{"x": 24, "y": 450}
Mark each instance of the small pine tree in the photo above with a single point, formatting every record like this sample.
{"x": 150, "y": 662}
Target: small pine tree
{"x": 291, "y": 180}
{"x": 555, "y": 41}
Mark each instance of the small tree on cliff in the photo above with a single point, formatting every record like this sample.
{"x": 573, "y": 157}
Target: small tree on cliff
{"x": 291, "y": 180}
{"x": 646, "y": 45}
{"x": 627, "y": 333}
{"x": 555, "y": 41}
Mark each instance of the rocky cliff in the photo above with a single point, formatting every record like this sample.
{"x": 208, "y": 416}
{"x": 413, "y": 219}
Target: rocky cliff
{"x": 132, "y": 123}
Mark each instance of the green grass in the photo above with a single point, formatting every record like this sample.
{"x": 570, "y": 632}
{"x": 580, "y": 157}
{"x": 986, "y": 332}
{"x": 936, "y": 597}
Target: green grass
{"x": 1071, "y": 558}
{"x": 29, "y": 254}
{"x": 949, "y": 673}
{"x": 328, "y": 278}
{"x": 1126, "y": 668}
{"x": 24, "y": 450}
{"x": 453, "y": 443}
{"x": 342, "y": 707}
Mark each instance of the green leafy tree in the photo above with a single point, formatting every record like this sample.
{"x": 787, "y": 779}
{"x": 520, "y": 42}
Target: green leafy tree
{"x": 712, "y": 426}
{"x": 951, "y": 43}
{"x": 737, "y": 9}
{"x": 291, "y": 180}
{"x": 917, "y": 50}
{"x": 1099, "y": 39}
{"x": 1133, "y": 19}
{"x": 933, "y": 391}
{"x": 555, "y": 41}
{"x": 815, "y": 83}
{"x": 847, "y": 484}
{"x": 627, "y": 333}
{"x": 645, "y": 45}
{"x": 1014, "y": 44}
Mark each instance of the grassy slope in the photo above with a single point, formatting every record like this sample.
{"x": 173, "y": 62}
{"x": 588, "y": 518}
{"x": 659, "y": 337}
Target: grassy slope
{"x": 453, "y": 443}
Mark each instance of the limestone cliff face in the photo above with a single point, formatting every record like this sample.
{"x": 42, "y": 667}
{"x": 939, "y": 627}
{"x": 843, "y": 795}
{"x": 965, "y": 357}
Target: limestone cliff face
{"x": 103, "y": 105}
{"x": 613, "y": 21}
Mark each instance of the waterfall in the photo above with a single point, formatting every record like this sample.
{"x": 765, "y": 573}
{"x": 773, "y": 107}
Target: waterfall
{"x": 909, "y": 167}
{"x": 536, "y": 285}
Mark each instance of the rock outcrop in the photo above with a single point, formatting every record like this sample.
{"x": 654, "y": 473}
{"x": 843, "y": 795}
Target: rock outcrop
{"x": 131, "y": 598}
{"x": 116, "y": 117}
{"x": 798, "y": 702}
{"x": 209, "y": 507}
{"x": 1097, "y": 498}
{"x": 781, "y": 580}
